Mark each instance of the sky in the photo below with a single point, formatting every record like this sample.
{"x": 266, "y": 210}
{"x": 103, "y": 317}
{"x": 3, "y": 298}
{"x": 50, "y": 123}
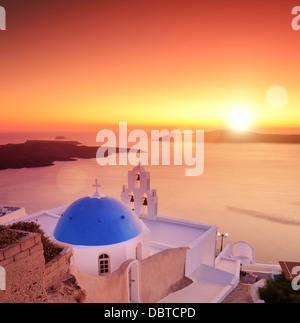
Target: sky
{"x": 80, "y": 65}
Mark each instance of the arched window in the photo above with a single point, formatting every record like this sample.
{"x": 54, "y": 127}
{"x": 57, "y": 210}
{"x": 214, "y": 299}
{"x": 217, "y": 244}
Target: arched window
{"x": 104, "y": 264}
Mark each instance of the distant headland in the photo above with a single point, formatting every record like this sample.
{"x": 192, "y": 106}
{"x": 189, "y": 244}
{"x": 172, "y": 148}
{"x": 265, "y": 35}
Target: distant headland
{"x": 42, "y": 153}
{"x": 249, "y": 137}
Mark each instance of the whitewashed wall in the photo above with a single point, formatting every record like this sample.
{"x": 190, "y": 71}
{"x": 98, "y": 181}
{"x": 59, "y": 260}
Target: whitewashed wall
{"x": 202, "y": 251}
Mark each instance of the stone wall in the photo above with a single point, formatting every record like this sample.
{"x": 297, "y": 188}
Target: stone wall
{"x": 57, "y": 268}
{"x": 27, "y": 276}
{"x": 24, "y": 266}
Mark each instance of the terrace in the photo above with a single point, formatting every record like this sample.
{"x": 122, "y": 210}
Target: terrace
{"x": 4, "y": 210}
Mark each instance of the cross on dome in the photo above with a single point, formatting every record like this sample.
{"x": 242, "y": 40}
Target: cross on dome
{"x": 97, "y": 195}
{"x": 96, "y": 185}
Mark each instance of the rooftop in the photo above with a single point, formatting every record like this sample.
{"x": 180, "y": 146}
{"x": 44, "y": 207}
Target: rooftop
{"x": 174, "y": 233}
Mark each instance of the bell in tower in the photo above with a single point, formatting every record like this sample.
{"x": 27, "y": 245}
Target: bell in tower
{"x": 145, "y": 203}
{"x": 138, "y": 194}
{"x": 132, "y": 202}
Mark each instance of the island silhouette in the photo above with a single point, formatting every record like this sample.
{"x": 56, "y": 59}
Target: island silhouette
{"x": 41, "y": 153}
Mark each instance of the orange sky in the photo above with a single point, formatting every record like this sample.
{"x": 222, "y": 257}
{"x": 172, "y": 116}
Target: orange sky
{"x": 81, "y": 64}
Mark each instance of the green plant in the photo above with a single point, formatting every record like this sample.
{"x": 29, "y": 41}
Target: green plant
{"x": 279, "y": 291}
{"x": 8, "y": 236}
{"x": 50, "y": 249}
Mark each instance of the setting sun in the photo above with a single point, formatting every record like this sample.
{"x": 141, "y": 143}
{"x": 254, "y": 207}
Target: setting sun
{"x": 149, "y": 63}
{"x": 240, "y": 119}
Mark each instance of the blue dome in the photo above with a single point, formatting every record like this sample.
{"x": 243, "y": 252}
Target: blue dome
{"x": 97, "y": 222}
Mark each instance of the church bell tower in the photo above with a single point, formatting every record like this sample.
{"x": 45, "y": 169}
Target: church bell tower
{"x": 138, "y": 195}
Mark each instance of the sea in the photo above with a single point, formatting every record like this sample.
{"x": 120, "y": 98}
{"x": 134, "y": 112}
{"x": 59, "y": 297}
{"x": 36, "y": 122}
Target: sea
{"x": 250, "y": 191}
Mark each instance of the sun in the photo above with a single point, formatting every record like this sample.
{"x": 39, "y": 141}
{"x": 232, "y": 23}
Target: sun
{"x": 240, "y": 119}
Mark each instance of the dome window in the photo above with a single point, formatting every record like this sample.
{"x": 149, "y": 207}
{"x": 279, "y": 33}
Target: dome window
{"x": 103, "y": 264}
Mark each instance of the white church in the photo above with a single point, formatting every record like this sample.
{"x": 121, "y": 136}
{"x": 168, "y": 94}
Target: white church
{"x": 123, "y": 251}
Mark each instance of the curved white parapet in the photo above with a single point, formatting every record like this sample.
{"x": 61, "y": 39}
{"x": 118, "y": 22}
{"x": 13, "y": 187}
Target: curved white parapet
{"x": 244, "y": 252}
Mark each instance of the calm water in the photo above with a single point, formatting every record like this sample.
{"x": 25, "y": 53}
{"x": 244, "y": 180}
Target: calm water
{"x": 251, "y": 191}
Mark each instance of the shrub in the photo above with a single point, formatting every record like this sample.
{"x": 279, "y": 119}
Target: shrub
{"x": 50, "y": 249}
{"x": 8, "y": 236}
{"x": 279, "y": 291}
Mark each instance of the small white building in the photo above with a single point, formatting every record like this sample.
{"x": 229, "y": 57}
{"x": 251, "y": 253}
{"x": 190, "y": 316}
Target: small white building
{"x": 105, "y": 233}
